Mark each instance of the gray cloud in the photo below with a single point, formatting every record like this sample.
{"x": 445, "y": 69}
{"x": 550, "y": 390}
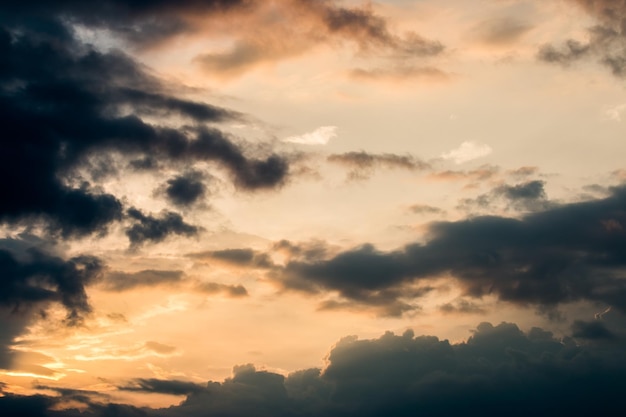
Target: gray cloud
{"x": 160, "y": 386}
{"x": 362, "y": 164}
{"x": 500, "y": 31}
{"x": 186, "y": 189}
{"x": 562, "y": 254}
{"x": 499, "y": 370}
{"x": 607, "y": 38}
{"x": 148, "y": 228}
{"x": 234, "y": 291}
{"x": 526, "y": 196}
{"x": 118, "y": 281}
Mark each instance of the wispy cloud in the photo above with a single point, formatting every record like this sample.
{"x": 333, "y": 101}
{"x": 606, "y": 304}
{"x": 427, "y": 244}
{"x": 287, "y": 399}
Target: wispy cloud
{"x": 320, "y": 136}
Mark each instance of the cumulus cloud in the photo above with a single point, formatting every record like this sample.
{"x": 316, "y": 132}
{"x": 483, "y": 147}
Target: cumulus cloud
{"x": 320, "y": 136}
{"x": 498, "y": 370}
{"x": 467, "y": 151}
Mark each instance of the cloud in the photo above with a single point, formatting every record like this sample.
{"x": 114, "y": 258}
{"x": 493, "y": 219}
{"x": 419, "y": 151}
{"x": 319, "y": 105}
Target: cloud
{"x": 615, "y": 113}
{"x": 526, "y": 196}
{"x": 467, "y": 151}
{"x": 63, "y": 103}
{"x": 498, "y": 370}
{"x": 185, "y": 190}
{"x": 362, "y": 164}
{"x": 425, "y": 209}
{"x": 148, "y": 228}
{"x": 559, "y": 255}
{"x": 594, "y": 330}
{"x": 401, "y": 72}
{"x": 463, "y": 307}
{"x": 161, "y": 386}
{"x": 320, "y": 136}
{"x": 118, "y": 281}
{"x": 32, "y": 277}
{"x": 319, "y": 22}
{"x": 607, "y": 38}
{"x": 475, "y": 176}
{"x": 500, "y": 31}
{"x": 244, "y": 257}
{"x": 234, "y": 291}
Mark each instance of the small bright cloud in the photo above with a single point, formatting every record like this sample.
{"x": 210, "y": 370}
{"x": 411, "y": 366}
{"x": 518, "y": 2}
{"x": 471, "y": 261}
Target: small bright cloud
{"x": 467, "y": 151}
{"x": 615, "y": 113}
{"x": 320, "y": 136}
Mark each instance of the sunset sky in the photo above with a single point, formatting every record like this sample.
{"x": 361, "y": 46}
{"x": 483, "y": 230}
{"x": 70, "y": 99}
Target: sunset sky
{"x": 312, "y": 208}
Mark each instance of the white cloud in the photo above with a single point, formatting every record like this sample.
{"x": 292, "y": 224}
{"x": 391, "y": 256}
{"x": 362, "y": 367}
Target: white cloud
{"x": 467, "y": 151}
{"x": 320, "y": 136}
{"x": 615, "y": 113}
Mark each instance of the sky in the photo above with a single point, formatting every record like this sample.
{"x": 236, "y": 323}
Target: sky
{"x": 312, "y": 208}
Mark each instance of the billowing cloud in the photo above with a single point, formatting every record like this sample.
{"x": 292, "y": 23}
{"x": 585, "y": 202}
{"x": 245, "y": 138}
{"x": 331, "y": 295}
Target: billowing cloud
{"x": 320, "y": 136}
{"x": 467, "y": 151}
{"x": 498, "y": 370}
{"x": 62, "y": 102}
{"x": 562, "y": 254}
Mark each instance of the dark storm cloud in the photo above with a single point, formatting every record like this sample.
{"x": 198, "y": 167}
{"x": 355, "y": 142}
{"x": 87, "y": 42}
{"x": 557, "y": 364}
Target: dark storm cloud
{"x": 499, "y": 370}
{"x": 62, "y": 102}
{"x": 30, "y": 280}
{"x": 123, "y": 281}
{"x": 362, "y": 164}
{"x": 184, "y": 190}
{"x": 143, "y": 23}
{"x": 607, "y": 38}
{"x": 32, "y": 277}
{"x": 594, "y": 330}
{"x": 161, "y": 386}
{"x": 148, "y": 228}
{"x": 563, "y": 254}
